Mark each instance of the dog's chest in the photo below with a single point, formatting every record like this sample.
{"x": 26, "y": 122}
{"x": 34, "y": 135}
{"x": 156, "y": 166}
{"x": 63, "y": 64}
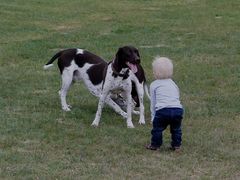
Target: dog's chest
{"x": 117, "y": 84}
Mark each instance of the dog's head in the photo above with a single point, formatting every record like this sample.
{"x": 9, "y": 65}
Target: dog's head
{"x": 128, "y": 57}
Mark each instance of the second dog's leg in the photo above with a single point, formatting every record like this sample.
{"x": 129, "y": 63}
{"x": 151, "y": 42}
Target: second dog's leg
{"x": 124, "y": 97}
{"x": 115, "y": 106}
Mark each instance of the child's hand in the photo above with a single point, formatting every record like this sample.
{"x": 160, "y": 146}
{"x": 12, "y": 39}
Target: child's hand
{"x": 151, "y": 120}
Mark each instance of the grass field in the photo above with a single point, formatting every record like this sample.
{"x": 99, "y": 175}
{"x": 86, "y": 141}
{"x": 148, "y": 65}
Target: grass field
{"x": 40, "y": 141}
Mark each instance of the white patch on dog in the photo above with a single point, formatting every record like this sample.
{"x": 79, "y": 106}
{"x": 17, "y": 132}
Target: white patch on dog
{"x": 47, "y": 66}
{"x": 79, "y": 51}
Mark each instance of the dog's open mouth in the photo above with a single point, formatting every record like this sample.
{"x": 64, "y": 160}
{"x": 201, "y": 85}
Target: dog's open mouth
{"x": 133, "y": 67}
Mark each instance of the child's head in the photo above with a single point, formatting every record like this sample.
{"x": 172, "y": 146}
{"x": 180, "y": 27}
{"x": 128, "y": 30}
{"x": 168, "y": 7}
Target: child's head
{"x": 162, "y": 68}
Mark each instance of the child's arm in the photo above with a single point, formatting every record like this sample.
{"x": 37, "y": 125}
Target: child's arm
{"x": 153, "y": 102}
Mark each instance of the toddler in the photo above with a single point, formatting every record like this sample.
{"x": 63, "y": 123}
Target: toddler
{"x": 166, "y": 108}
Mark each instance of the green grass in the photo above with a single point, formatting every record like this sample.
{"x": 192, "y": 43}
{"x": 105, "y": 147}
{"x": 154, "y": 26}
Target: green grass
{"x": 40, "y": 141}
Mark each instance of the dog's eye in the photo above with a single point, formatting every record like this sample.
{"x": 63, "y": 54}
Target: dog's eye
{"x": 136, "y": 51}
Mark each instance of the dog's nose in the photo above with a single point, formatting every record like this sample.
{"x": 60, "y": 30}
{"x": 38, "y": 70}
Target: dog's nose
{"x": 136, "y": 57}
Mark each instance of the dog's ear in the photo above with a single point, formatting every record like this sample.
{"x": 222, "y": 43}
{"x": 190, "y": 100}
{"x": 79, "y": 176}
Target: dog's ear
{"x": 119, "y": 56}
{"x": 119, "y": 53}
{"x": 118, "y": 60}
{"x": 122, "y": 56}
{"x": 139, "y": 58}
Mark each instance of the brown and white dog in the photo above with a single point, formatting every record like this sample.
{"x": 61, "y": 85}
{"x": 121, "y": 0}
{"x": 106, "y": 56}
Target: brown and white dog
{"x": 124, "y": 75}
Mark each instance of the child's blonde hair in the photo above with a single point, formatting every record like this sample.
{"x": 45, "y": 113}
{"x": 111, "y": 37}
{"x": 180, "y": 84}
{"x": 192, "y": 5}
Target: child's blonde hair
{"x": 162, "y": 68}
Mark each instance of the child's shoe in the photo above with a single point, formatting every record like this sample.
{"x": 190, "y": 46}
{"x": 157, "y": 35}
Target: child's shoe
{"x": 176, "y": 149}
{"x": 150, "y": 147}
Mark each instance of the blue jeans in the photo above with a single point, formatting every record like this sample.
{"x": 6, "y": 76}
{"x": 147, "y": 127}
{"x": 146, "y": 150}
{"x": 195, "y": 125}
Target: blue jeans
{"x": 163, "y": 118}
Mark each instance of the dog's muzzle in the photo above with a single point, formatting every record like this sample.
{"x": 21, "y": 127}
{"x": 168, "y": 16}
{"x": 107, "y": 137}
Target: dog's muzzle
{"x": 133, "y": 67}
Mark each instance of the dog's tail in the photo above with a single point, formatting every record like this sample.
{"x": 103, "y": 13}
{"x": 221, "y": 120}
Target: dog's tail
{"x": 146, "y": 90}
{"x": 50, "y": 62}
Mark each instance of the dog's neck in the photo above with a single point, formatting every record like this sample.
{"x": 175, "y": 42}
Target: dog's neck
{"x": 116, "y": 65}
{"x": 116, "y": 68}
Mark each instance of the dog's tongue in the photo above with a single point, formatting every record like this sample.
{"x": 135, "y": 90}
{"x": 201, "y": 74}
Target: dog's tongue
{"x": 133, "y": 67}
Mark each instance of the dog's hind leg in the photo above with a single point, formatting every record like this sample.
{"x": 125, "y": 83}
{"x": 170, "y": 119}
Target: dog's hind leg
{"x": 135, "y": 112}
{"x": 67, "y": 77}
{"x": 115, "y": 106}
{"x": 122, "y": 99}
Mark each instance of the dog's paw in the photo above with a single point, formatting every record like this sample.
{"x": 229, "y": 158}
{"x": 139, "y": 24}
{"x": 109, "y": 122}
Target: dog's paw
{"x": 124, "y": 115}
{"x": 130, "y": 125}
{"x": 94, "y": 124}
{"x": 141, "y": 121}
{"x": 136, "y": 112}
{"x": 67, "y": 109}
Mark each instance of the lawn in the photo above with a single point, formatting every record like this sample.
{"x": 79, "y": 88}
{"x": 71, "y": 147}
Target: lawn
{"x": 40, "y": 141}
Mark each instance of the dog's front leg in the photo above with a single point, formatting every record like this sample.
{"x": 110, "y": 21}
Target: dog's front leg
{"x": 99, "y": 110}
{"x": 105, "y": 91}
{"x": 129, "y": 106}
{"x": 140, "y": 92}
